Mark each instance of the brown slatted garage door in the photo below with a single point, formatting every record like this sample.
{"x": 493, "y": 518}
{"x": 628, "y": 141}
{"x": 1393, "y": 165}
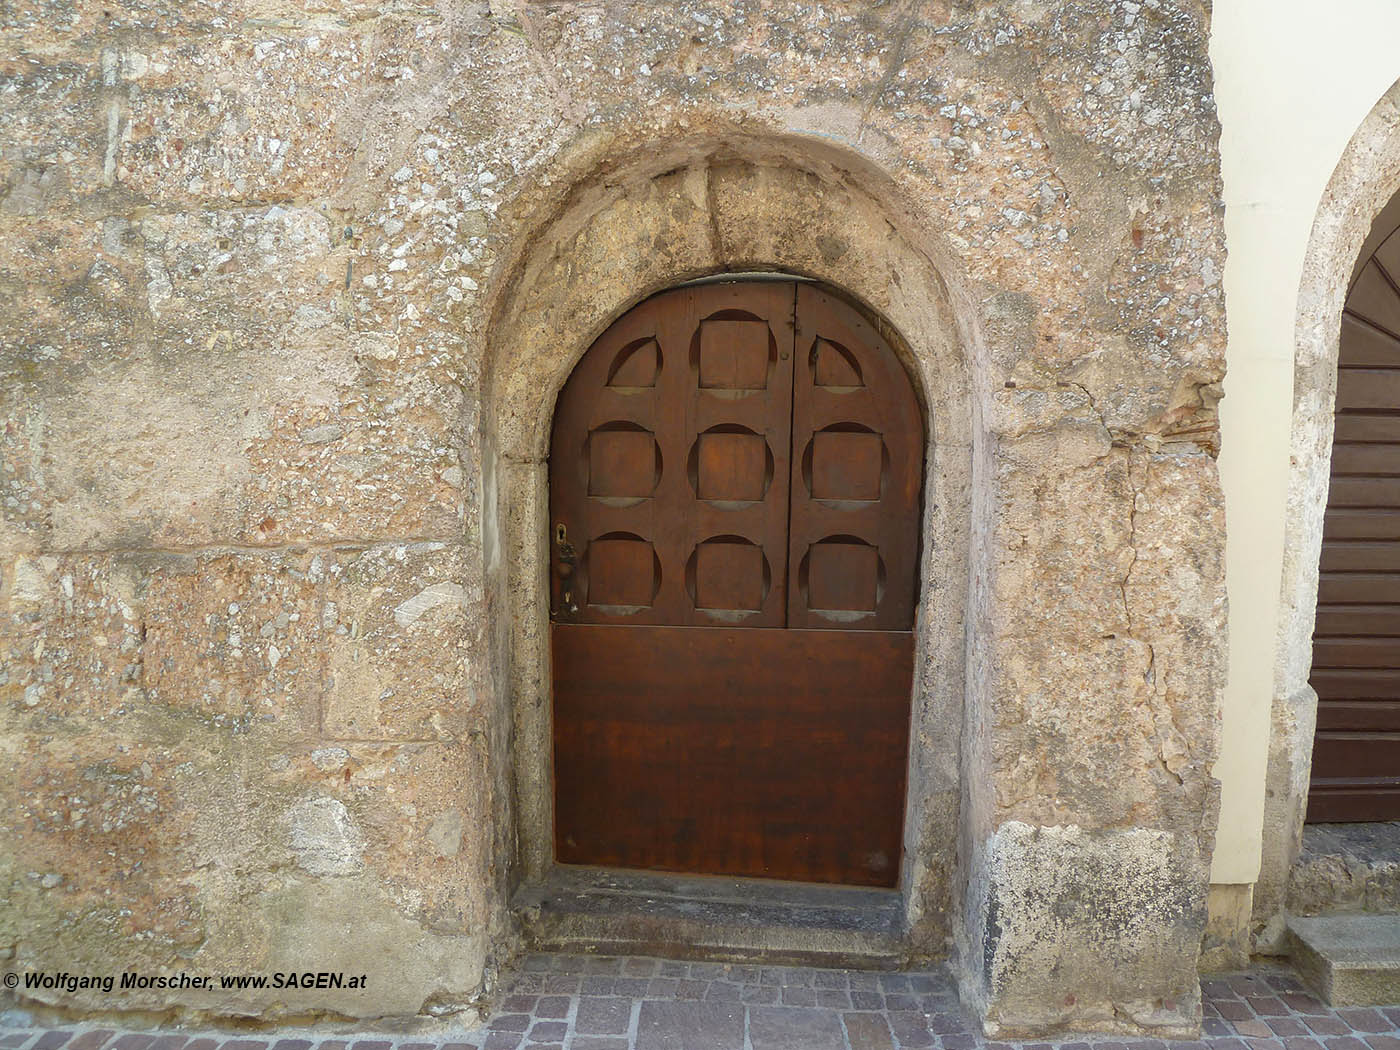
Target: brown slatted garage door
{"x": 1356, "y": 647}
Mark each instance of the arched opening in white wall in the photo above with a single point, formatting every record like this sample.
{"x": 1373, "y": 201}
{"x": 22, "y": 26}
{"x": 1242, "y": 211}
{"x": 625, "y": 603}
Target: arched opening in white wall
{"x": 1364, "y": 181}
{"x": 1356, "y": 639}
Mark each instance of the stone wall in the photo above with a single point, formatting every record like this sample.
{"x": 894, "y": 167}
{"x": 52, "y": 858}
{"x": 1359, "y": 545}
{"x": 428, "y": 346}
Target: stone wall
{"x": 287, "y": 291}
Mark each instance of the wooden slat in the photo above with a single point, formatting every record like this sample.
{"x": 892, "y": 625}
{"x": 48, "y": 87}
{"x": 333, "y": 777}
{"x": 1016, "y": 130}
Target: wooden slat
{"x": 1373, "y": 298}
{"x": 1351, "y": 523}
{"x": 1377, "y": 460}
{"x": 1346, "y": 801}
{"x": 1355, "y": 754}
{"x": 1361, "y": 556}
{"x": 1364, "y": 345}
{"x": 1364, "y": 492}
{"x": 741, "y": 751}
{"x": 1356, "y": 683}
{"x": 1338, "y": 653}
{"x": 1335, "y": 621}
{"x": 1359, "y": 715}
{"x": 1366, "y": 426}
{"x": 1371, "y": 588}
{"x": 1368, "y": 388}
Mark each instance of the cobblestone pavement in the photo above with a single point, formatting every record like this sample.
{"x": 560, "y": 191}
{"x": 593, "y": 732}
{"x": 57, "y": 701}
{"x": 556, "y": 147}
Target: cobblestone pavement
{"x": 594, "y": 1003}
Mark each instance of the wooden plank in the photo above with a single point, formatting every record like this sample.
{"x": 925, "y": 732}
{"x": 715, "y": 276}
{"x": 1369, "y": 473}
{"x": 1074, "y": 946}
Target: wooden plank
{"x": 1373, "y": 298}
{"x": 1360, "y": 556}
{"x": 1343, "y": 801}
{"x": 1356, "y": 646}
{"x": 1367, "y": 426}
{"x": 669, "y": 463}
{"x": 1364, "y": 492}
{"x": 732, "y": 751}
{"x": 1372, "y": 588}
{"x": 1356, "y": 458}
{"x": 1369, "y": 389}
{"x": 858, "y": 453}
{"x": 1379, "y": 653}
{"x": 1334, "y": 621}
{"x": 1359, "y": 715}
{"x": 1356, "y": 683}
{"x": 1350, "y": 523}
{"x": 1363, "y": 345}
{"x": 1355, "y": 754}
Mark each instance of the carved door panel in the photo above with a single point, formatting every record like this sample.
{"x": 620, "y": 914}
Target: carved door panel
{"x": 734, "y": 489}
{"x": 858, "y": 447}
{"x": 670, "y": 463}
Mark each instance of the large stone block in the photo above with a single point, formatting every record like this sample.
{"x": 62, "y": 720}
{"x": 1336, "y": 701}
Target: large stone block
{"x": 1094, "y": 931}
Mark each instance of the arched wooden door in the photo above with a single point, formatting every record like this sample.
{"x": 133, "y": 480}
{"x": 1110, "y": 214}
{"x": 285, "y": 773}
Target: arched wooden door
{"x": 734, "y": 487}
{"x": 1356, "y": 643}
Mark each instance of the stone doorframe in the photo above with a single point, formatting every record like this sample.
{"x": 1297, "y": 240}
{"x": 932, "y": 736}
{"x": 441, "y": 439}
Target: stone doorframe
{"x": 1365, "y": 179}
{"x": 728, "y": 202}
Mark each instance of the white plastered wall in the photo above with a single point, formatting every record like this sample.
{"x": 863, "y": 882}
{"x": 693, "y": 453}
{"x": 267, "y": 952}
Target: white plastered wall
{"x": 1293, "y": 79}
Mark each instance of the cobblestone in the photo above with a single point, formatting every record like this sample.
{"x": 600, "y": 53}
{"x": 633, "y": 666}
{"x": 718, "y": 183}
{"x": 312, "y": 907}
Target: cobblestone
{"x": 602, "y": 1003}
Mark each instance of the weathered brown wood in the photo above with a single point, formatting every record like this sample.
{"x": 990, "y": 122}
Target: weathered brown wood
{"x": 1373, "y": 588}
{"x": 1364, "y": 492}
{"x": 1367, "y": 345}
{"x": 1341, "y": 653}
{"x": 730, "y": 460}
{"x": 1356, "y": 647}
{"x": 1355, "y": 683}
{"x": 1373, "y": 556}
{"x": 1368, "y": 389}
{"x": 1341, "y": 621}
{"x": 857, "y": 440}
{"x": 1363, "y": 715}
{"x": 1367, "y": 426}
{"x": 740, "y": 751}
{"x": 670, "y": 453}
{"x": 1373, "y": 298}
{"x": 1348, "y": 523}
{"x": 1340, "y": 800}
{"x": 1361, "y": 459}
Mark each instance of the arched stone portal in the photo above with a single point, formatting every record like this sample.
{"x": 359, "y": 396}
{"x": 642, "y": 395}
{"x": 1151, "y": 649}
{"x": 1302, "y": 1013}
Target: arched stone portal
{"x": 1365, "y": 179}
{"x": 1069, "y": 611}
{"x": 684, "y": 210}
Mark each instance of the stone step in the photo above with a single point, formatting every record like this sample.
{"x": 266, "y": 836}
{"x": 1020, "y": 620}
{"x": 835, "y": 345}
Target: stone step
{"x": 611, "y": 912}
{"x": 1346, "y": 868}
{"x": 1348, "y": 959}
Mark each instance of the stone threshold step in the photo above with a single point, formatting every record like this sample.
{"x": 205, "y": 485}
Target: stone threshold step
{"x": 1348, "y": 959}
{"x": 610, "y": 912}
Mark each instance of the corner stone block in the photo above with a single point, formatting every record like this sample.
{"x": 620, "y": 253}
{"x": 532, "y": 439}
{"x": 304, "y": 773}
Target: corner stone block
{"x": 1087, "y": 931}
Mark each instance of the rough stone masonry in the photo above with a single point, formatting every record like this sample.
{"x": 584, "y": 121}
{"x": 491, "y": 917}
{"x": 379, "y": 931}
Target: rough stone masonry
{"x": 286, "y": 290}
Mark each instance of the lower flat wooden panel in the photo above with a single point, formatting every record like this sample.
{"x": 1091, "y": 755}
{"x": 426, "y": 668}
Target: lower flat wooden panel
{"x": 1353, "y": 799}
{"x": 1348, "y": 754}
{"x": 734, "y": 751}
{"x": 1359, "y": 716}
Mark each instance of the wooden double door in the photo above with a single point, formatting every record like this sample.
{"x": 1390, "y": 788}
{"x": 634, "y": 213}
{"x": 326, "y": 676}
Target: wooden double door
{"x": 734, "y": 485}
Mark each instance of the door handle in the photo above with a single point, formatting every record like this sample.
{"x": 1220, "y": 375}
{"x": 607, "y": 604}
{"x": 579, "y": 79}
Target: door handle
{"x": 566, "y": 557}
